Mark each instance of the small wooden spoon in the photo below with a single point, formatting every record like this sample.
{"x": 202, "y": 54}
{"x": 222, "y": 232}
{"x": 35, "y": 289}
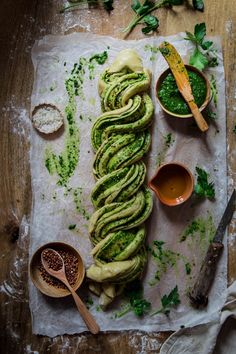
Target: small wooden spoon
{"x": 61, "y": 275}
{"x": 180, "y": 73}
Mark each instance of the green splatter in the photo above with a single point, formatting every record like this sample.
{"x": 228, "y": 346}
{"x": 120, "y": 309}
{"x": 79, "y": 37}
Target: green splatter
{"x": 98, "y": 308}
{"x": 168, "y": 141}
{"x": 211, "y": 115}
{"x": 198, "y": 234}
{"x": 92, "y": 101}
{"x": 99, "y": 59}
{"x": 234, "y": 129}
{"x": 72, "y": 226}
{"x": 42, "y": 90}
{"x": 164, "y": 259}
{"x": 188, "y": 268}
{"x": 79, "y": 203}
{"x": 201, "y": 228}
{"x": 74, "y": 84}
{"x": 89, "y": 302}
{"x": 53, "y": 86}
{"x": 153, "y": 49}
{"x": 54, "y": 197}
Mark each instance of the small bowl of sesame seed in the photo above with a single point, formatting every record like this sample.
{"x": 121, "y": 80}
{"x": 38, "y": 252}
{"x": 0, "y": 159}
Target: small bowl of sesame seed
{"x": 74, "y": 269}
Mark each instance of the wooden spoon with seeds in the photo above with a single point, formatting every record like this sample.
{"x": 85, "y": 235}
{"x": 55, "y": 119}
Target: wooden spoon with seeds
{"x": 57, "y": 270}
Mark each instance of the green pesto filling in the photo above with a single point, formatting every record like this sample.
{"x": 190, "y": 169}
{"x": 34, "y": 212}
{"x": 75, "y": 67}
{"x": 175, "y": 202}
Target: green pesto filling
{"x": 116, "y": 246}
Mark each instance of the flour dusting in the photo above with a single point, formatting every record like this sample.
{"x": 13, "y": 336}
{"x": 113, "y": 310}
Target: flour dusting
{"x": 15, "y": 285}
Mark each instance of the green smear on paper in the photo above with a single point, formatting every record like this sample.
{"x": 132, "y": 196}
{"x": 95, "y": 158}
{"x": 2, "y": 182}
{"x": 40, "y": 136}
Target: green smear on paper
{"x": 164, "y": 259}
{"x": 168, "y": 141}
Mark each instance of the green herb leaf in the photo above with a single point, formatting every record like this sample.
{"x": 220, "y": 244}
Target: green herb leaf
{"x": 200, "y": 31}
{"x": 198, "y": 59}
{"x": 176, "y": 2}
{"x": 168, "y": 302}
{"x": 142, "y": 10}
{"x": 201, "y": 59}
{"x": 108, "y": 5}
{"x": 198, "y": 5}
{"x": 191, "y": 37}
{"x": 152, "y": 23}
{"x": 134, "y": 292}
{"x": 89, "y": 302}
{"x": 206, "y": 45}
{"x": 140, "y": 306}
{"x": 203, "y": 188}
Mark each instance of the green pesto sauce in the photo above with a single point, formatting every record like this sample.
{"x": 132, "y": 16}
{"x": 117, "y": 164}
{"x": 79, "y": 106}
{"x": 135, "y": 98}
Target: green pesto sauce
{"x": 172, "y": 99}
{"x": 65, "y": 163}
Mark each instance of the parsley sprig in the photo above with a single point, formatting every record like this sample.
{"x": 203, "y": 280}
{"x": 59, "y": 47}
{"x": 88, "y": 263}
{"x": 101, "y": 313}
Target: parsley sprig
{"x": 143, "y": 14}
{"x": 137, "y": 304}
{"x": 203, "y": 187}
{"x": 204, "y": 54}
{"x": 168, "y": 302}
{"x": 198, "y": 5}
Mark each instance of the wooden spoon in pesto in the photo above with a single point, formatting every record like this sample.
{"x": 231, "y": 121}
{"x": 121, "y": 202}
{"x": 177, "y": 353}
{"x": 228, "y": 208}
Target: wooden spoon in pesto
{"x": 180, "y": 73}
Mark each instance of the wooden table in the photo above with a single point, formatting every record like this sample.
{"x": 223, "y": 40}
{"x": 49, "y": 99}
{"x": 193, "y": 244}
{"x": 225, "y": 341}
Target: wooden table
{"x": 22, "y": 22}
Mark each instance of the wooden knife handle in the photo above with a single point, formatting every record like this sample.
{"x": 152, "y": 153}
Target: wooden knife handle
{"x": 201, "y": 123}
{"x": 199, "y": 293}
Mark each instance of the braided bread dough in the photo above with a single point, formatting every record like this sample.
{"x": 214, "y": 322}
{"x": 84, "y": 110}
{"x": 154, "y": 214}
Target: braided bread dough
{"x": 120, "y": 138}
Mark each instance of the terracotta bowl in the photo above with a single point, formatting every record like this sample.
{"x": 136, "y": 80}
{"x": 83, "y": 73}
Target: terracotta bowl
{"x": 203, "y": 106}
{"x": 41, "y": 284}
{"x": 173, "y": 183}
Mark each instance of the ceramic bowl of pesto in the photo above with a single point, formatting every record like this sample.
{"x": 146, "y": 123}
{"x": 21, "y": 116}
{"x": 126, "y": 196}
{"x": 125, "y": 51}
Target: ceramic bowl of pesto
{"x": 172, "y": 183}
{"x": 171, "y": 100}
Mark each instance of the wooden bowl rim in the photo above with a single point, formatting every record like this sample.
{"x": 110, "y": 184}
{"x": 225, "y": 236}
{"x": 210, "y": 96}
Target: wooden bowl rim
{"x": 172, "y": 202}
{"x": 203, "y": 106}
{"x": 36, "y": 254}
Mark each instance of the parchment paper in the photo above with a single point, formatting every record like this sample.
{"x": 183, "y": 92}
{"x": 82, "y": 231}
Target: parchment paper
{"x": 53, "y": 207}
